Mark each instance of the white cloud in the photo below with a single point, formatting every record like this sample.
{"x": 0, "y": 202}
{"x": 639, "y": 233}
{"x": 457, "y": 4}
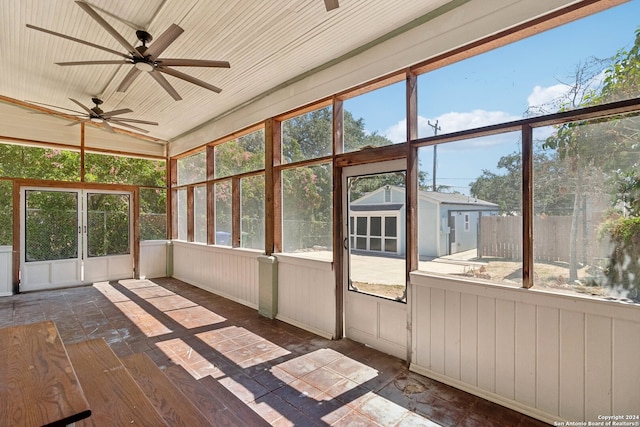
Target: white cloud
{"x": 457, "y": 121}
{"x": 547, "y": 95}
{"x": 398, "y": 132}
{"x": 450, "y": 122}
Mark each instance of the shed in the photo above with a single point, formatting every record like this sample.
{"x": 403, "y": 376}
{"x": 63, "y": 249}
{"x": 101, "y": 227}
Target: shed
{"x": 377, "y": 222}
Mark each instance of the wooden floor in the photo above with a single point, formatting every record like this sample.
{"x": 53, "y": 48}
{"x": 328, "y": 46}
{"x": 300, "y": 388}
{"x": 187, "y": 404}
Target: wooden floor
{"x": 210, "y": 346}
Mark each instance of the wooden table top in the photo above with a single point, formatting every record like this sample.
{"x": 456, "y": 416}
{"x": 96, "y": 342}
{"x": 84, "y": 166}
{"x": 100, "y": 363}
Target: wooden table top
{"x": 38, "y": 385}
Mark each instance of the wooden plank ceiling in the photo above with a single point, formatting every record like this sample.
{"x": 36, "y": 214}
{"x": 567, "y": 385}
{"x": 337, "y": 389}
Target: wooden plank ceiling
{"x": 267, "y": 44}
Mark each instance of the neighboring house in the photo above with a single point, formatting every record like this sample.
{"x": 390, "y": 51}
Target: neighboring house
{"x": 448, "y": 222}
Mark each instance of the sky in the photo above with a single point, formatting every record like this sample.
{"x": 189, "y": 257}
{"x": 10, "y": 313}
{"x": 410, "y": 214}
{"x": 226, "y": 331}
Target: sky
{"x": 495, "y": 87}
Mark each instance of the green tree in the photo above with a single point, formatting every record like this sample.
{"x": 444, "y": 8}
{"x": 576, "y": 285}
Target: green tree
{"x": 602, "y": 154}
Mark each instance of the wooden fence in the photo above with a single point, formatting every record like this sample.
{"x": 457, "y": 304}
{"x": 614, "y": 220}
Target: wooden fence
{"x": 501, "y": 237}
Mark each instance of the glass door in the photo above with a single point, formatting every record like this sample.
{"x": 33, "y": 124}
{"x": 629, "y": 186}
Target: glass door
{"x": 72, "y": 236}
{"x": 108, "y": 236}
{"x": 51, "y": 239}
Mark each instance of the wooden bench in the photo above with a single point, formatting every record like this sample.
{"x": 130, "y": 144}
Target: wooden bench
{"x": 38, "y": 384}
{"x": 114, "y": 396}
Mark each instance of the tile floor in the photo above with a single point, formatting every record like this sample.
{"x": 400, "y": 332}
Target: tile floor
{"x": 285, "y": 374}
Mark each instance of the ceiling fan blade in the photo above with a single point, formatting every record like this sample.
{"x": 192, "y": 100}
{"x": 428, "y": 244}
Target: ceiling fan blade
{"x": 78, "y": 122}
{"x": 166, "y": 85}
{"x": 64, "y": 64}
{"x": 143, "y": 122}
{"x": 128, "y": 79}
{"x": 87, "y": 109}
{"x": 176, "y": 62}
{"x": 106, "y": 49}
{"x": 189, "y": 79}
{"x": 129, "y": 126}
{"x": 116, "y": 112}
{"x": 164, "y": 40}
{"x": 331, "y": 4}
{"x": 107, "y": 126}
{"x": 109, "y": 28}
{"x": 54, "y": 106}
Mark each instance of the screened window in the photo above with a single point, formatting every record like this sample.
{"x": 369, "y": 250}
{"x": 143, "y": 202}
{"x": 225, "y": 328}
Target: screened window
{"x": 533, "y": 76}
{"x": 478, "y": 186}
{"x": 587, "y": 209}
{"x": 153, "y": 213}
{"x": 252, "y": 212}
{"x": 18, "y": 161}
{"x": 182, "y": 213}
{"x": 112, "y": 169}
{"x": 308, "y": 136}
{"x": 200, "y": 213}
{"x": 6, "y": 213}
{"x": 192, "y": 169}
{"x": 241, "y": 155}
{"x": 376, "y": 118}
{"x": 307, "y": 208}
{"x": 223, "y": 211}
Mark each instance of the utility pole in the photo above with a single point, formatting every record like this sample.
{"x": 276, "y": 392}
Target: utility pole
{"x": 436, "y": 128}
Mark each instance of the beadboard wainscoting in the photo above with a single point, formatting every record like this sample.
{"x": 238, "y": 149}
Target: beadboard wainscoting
{"x": 153, "y": 258}
{"x": 6, "y": 285}
{"x": 231, "y": 273}
{"x": 552, "y": 356}
{"x": 307, "y": 294}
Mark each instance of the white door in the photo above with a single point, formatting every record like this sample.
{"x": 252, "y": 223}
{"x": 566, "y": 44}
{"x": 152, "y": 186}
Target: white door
{"x": 70, "y": 237}
{"x": 375, "y": 299}
{"x": 108, "y": 236}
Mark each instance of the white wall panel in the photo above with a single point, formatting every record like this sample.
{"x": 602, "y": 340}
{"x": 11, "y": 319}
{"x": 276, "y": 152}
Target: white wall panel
{"x": 438, "y": 332}
{"x": 153, "y": 258}
{"x": 421, "y": 342}
{"x": 505, "y": 345}
{"x": 452, "y": 334}
{"x": 468, "y": 338}
{"x": 571, "y": 365}
{"x": 231, "y": 273}
{"x": 548, "y": 359}
{"x": 99, "y": 138}
{"x": 392, "y": 324}
{"x": 6, "y": 285}
{"x": 555, "y": 357}
{"x": 377, "y": 322}
{"x": 307, "y": 294}
{"x": 626, "y": 366}
{"x": 487, "y": 343}
{"x": 23, "y": 123}
{"x": 598, "y": 366}
{"x": 525, "y": 352}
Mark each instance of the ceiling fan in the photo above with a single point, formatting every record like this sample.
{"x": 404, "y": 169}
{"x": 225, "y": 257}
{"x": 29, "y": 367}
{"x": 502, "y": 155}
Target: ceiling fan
{"x": 96, "y": 115}
{"x": 144, "y": 58}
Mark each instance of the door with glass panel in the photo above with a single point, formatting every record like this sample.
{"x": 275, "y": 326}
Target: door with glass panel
{"x": 375, "y": 297}
{"x": 71, "y": 237}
